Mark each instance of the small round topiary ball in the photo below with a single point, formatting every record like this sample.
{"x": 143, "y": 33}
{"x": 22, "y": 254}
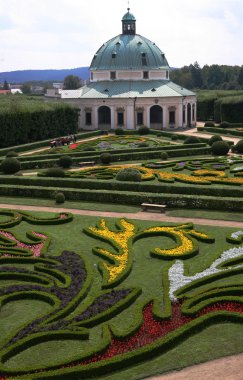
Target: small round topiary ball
{"x": 239, "y": 147}
{"x": 60, "y": 198}
{"x": 192, "y": 140}
{"x": 105, "y": 158}
{"x": 209, "y": 124}
{"x": 220, "y": 148}
{"x": 129, "y": 174}
{"x": 119, "y": 131}
{"x": 55, "y": 172}
{"x": 65, "y": 162}
{"x": 11, "y": 153}
{"x": 164, "y": 155}
{"x": 213, "y": 139}
{"x": 143, "y": 130}
{"x": 10, "y": 165}
{"x": 224, "y": 124}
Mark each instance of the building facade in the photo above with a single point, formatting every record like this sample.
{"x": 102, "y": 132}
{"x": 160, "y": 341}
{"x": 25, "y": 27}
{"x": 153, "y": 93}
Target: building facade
{"x": 130, "y": 86}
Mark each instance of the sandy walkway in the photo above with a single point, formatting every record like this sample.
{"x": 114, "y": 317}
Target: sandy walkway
{"x": 229, "y": 368}
{"x": 153, "y": 216}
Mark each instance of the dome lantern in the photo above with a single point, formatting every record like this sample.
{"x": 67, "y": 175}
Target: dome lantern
{"x": 128, "y": 23}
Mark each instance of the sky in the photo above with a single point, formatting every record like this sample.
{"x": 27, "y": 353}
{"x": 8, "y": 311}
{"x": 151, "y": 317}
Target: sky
{"x": 62, "y": 34}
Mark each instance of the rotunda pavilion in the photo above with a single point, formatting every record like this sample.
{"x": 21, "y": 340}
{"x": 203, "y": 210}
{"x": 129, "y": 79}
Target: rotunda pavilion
{"x": 130, "y": 86}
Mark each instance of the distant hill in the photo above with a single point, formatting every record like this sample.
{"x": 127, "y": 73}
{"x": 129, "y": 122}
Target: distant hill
{"x": 43, "y": 75}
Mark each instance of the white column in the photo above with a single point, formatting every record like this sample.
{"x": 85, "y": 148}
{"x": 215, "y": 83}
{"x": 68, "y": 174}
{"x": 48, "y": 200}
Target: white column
{"x": 130, "y": 117}
{"x": 180, "y": 115}
{"x": 95, "y": 117}
{"x": 147, "y": 117}
{"x": 195, "y": 121}
{"x": 164, "y": 117}
{"x": 186, "y": 115}
{"x": 112, "y": 108}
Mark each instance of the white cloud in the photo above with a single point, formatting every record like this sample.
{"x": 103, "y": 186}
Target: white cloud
{"x": 66, "y": 33}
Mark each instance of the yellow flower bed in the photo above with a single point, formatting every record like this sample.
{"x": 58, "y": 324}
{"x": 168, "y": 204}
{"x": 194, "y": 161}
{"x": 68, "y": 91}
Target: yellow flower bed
{"x": 184, "y": 248}
{"x": 119, "y": 239}
{"x": 209, "y": 173}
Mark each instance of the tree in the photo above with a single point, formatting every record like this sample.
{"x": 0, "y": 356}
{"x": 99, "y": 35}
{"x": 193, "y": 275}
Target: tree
{"x": 26, "y": 88}
{"x": 71, "y": 82}
{"x": 240, "y": 77}
{"x": 5, "y": 85}
{"x": 196, "y": 74}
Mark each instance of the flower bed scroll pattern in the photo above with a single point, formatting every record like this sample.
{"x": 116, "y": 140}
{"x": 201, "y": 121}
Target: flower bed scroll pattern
{"x": 64, "y": 282}
{"x": 204, "y": 172}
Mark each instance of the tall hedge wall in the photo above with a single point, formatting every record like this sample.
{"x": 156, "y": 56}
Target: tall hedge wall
{"x": 232, "y": 109}
{"x": 223, "y": 108}
{"x": 21, "y": 125}
{"x": 205, "y": 108}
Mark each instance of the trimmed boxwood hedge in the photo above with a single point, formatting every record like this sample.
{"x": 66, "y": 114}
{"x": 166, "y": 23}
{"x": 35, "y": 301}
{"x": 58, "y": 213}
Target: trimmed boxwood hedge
{"x": 74, "y": 183}
{"x": 232, "y": 132}
{"x": 196, "y": 149}
{"x": 110, "y": 196}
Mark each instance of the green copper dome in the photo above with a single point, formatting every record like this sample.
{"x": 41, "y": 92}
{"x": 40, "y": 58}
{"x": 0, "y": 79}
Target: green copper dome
{"x": 129, "y": 52}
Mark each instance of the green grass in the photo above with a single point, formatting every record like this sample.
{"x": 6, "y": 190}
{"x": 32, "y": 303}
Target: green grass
{"x": 206, "y": 214}
{"x": 70, "y": 205}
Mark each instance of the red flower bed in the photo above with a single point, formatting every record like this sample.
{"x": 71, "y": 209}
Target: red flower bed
{"x": 73, "y": 146}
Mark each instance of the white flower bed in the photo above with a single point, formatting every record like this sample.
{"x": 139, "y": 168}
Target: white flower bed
{"x": 177, "y": 278}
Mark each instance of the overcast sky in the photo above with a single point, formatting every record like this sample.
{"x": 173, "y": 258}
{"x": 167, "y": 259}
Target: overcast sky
{"x": 55, "y": 34}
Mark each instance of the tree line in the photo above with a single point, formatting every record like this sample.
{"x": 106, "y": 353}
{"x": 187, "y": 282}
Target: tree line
{"x": 220, "y": 77}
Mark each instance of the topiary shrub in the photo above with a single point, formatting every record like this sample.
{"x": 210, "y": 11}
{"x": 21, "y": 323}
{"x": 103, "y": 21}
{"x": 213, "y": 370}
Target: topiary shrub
{"x": 209, "y": 124}
{"x": 220, "y": 148}
{"x": 105, "y": 158}
{"x": 239, "y": 147}
{"x": 174, "y": 137}
{"x": 164, "y": 155}
{"x": 55, "y": 172}
{"x": 213, "y": 139}
{"x": 65, "y": 162}
{"x": 10, "y": 165}
{"x": 224, "y": 124}
{"x": 142, "y": 144}
{"x": 192, "y": 140}
{"x": 233, "y": 149}
{"x": 88, "y": 149}
{"x": 143, "y": 130}
{"x": 119, "y": 131}
{"x": 60, "y": 198}
{"x": 12, "y": 154}
{"x": 129, "y": 174}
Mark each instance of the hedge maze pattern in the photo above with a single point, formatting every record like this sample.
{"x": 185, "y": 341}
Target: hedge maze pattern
{"x": 64, "y": 280}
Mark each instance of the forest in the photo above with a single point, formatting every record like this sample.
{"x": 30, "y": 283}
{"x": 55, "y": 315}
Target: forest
{"x": 213, "y": 77}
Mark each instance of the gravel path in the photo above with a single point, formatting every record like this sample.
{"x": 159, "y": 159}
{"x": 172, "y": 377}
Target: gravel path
{"x": 194, "y": 132}
{"x": 141, "y": 215}
{"x": 228, "y": 368}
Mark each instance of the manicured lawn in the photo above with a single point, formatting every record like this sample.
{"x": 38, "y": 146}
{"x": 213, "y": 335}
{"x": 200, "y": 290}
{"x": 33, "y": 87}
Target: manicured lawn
{"x": 68, "y": 204}
{"x": 206, "y": 214}
{"x": 138, "y": 324}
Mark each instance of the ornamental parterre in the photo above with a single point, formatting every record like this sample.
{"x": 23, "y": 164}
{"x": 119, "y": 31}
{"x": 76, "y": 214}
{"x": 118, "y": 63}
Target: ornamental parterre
{"x": 89, "y": 306}
{"x": 204, "y": 172}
